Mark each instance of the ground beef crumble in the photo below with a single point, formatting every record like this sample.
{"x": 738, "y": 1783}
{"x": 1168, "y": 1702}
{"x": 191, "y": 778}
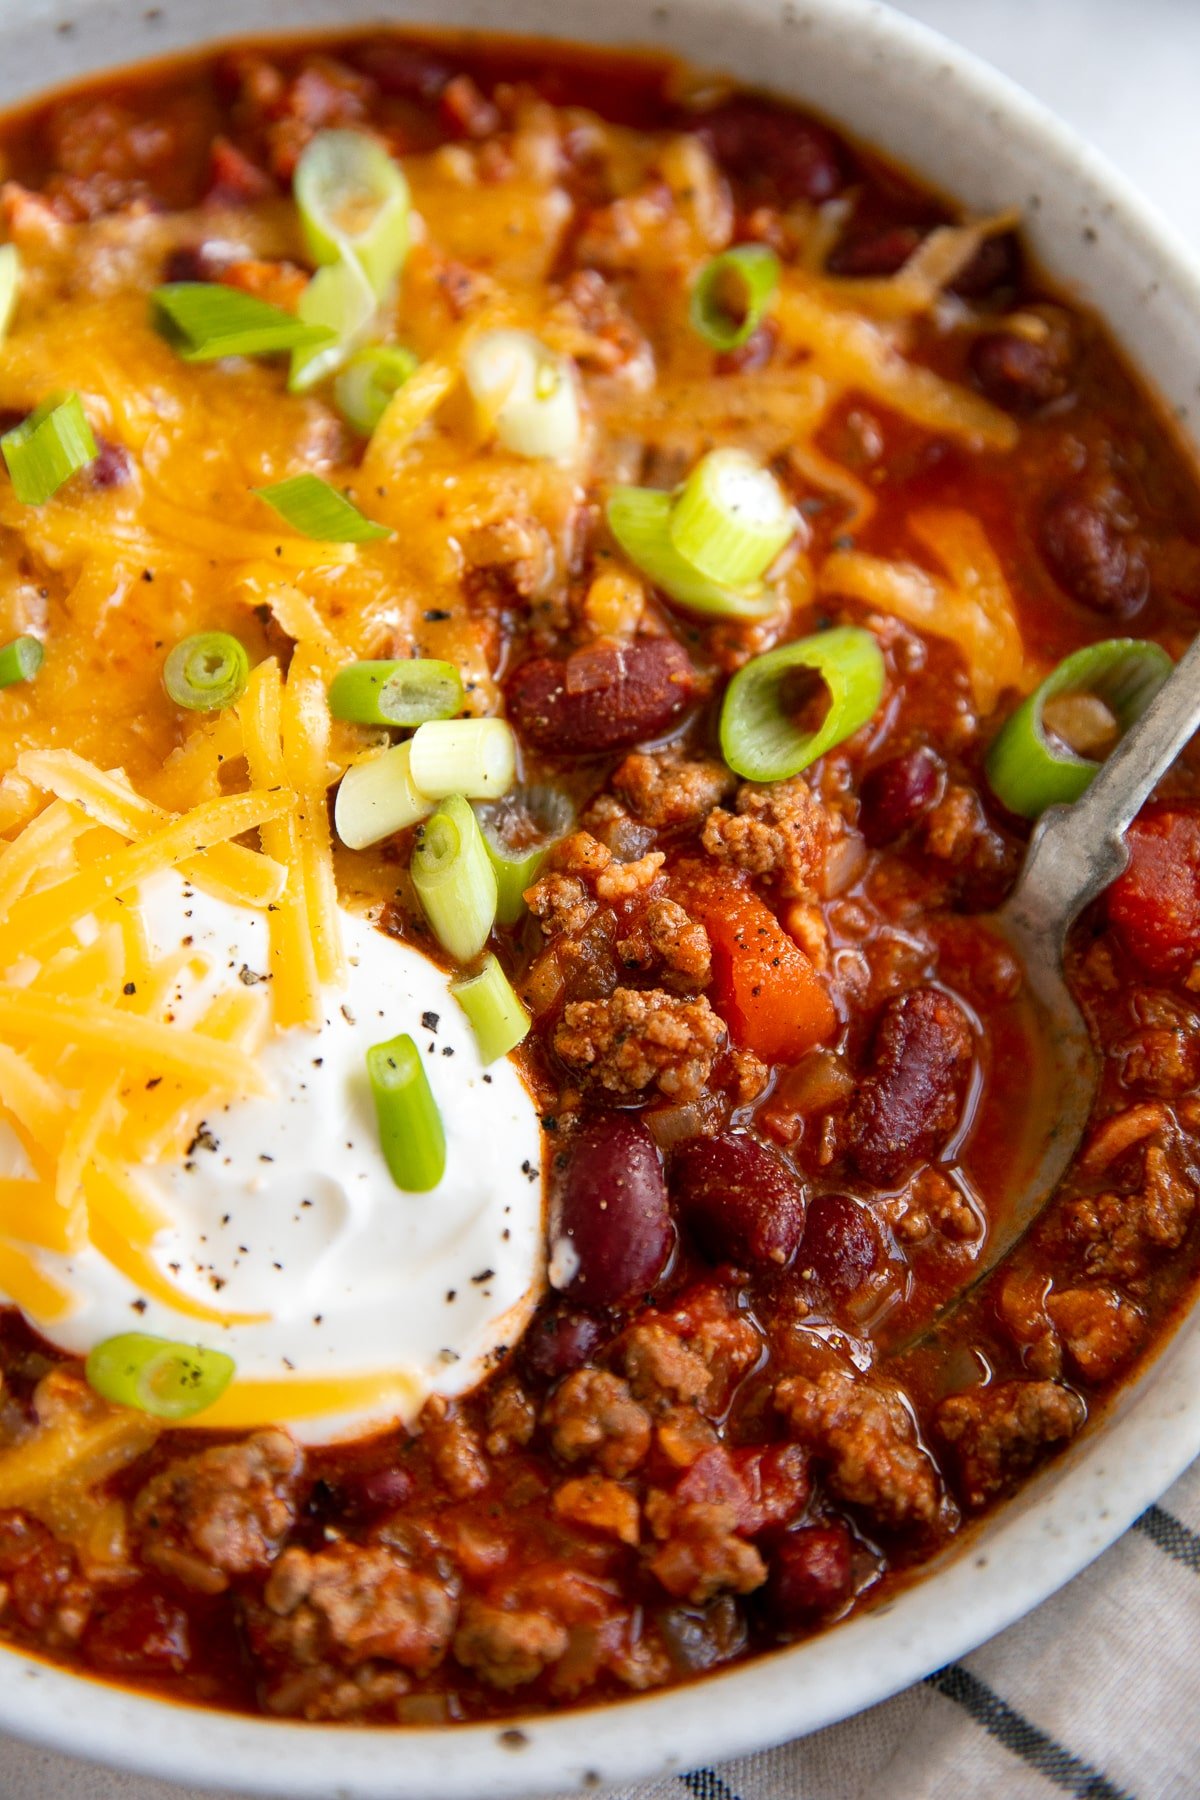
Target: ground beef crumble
{"x": 222, "y": 1513}
{"x": 640, "y": 1038}
{"x": 997, "y": 1433}
{"x": 865, "y": 1438}
{"x": 779, "y": 830}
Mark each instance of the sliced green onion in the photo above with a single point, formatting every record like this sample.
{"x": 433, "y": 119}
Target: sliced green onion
{"x": 526, "y": 394}
{"x": 475, "y": 757}
{"x": 454, "y": 879}
{"x": 760, "y": 740}
{"x": 20, "y": 660}
{"x": 1028, "y": 768}
{"x": 640, "y": 520}
{"x": 404, "y": 693}
{"x": 47, "y": 448}
{"x": 208, "y": 672}
{"x": 376, "y": 798}
{"x": 411, "y": 1134}
{"x": 316, "y": 510}
{"x": 518, "y": 832}
{"x": 167, "y": 1380}
{"x": 353, "y": 201}
{"x": 10, "y": 285}
{"x": 206, "y": 320}
{"x": 731, "y": 518}
{"x": 341, "y": 299}
{"x": 497, "y": 1016}
{"x": 368, "y": 381}
{"x": 732, "y": 295}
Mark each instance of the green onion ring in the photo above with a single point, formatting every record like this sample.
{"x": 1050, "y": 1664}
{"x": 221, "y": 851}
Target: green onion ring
{"x": 47, "y": 448}
{"x": 758, "y": 739}
{"x": 747, "y": 275}
{"x": 404, "y": 693}
{"x": 518, "y": 832}
{"x": 411, "y": 1134}
{"x": 498, "y": 1019}
{"x": 454, "y": 879}
{"x": 316, "y": 510}
{"x": 368, "y": 381}
{"x": 640, "y": 520}
{"x": 1026, "y": 768}
{"x": 167, "y": 1380}
{"x": 20, "y": 660}
{"x": 208, "y": 672}
{"x": 353, "y": 201}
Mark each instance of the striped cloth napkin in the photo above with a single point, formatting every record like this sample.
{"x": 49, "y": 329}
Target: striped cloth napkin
{"x": 1094, "y": 1695}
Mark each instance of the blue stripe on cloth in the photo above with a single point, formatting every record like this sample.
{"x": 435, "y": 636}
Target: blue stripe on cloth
{"x": 1171, "y": 1536}
{"x": 1023, "y": 1739}
{"x": 706, "y": 1784}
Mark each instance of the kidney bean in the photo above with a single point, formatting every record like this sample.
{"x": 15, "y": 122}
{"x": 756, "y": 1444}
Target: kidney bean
{"x": 920, "y": 1061}
{"x": 742, "y": 1202}
{"x": 772, "y": 151}
{"x": 874, "y": 251}
{"x": 610, "y": 1229}
{"x": 810, "y": 1574}
{"x": 1090, "y": 539}
{"x": 142, "y": 1634}
{"x": 405, "y": 71}
{"x": 190, "y": 262}
{"x": 112, "y": 467}
{"x": 842, "y": 1245}
{"x": 1021, "y": 373}
{"x": 606, "y": 697}
{"x": 895, "y": 793}
{"x": 379, "y": 1490}
{"x": 996, "y": 264}
{"x": 558, "y": 1342}
{"x": 777, "y": 1484}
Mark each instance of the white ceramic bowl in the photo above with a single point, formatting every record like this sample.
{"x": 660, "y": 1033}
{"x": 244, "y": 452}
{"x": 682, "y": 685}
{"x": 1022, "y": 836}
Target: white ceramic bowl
{"x": 969, "y": 132}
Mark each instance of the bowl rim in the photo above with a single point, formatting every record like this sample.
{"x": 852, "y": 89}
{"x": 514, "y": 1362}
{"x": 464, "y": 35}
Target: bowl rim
{"x": 1057, "y": 1524}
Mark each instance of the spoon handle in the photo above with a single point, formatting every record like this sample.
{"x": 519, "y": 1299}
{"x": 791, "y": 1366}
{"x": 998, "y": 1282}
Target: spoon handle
{"x": 1076, "y": 851}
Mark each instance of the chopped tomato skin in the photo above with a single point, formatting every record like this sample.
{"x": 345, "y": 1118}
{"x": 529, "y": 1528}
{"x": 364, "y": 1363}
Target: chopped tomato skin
{"x": 1154, "y": 907}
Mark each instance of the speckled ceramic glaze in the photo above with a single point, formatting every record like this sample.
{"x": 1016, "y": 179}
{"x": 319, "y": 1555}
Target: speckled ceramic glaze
{"x": 967, "y": 131}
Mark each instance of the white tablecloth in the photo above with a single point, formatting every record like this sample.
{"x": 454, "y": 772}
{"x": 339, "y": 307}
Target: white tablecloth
{"x": 1095, "y": 1695}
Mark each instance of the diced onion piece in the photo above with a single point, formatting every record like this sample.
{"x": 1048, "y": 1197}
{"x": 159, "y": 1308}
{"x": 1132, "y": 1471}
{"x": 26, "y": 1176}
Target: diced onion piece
{"x": 167, "y": 1380}
{"x": 353, "y": 201}
{"x": 760, "y": 741}
{"x": 640, "y": 520}
{"x": 10, "y": 285}
{"x": 403, "y": 693}
{"x": 497, "y": 1016}
{"x": 526, "y": 394}
{"x": 733, "y": 293}
{"x": 1027, "y": 768}
{"x": 377, "y": 797}
{"x": 518, "y": 832}
{"x": 475, "y": 757}
{"x": 368, "y": 381}
{"x": 47, "y": 448}
{"x": 454, "y": 879}
{"x": 20, "y": 660}
{"x": 341, "y": 299}
{"x": 316, "y": 510}
{"x": 411, "y": 1134}
{"x": 731, "y": 518}
{"x": 206, "y": 320}
{"x": 207, "y": 672}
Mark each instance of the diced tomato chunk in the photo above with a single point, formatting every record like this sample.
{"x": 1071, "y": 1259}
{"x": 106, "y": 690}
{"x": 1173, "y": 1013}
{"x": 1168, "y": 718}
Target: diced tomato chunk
{"x": 1154, "y": 907}
{"x": 764, "y": 986}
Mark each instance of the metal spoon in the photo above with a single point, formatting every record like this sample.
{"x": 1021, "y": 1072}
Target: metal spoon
{"x": 1073, "y": 855}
